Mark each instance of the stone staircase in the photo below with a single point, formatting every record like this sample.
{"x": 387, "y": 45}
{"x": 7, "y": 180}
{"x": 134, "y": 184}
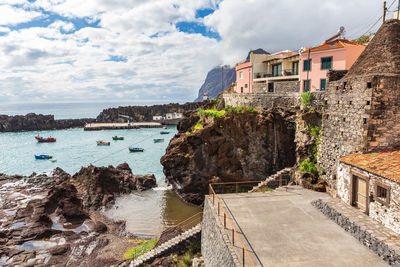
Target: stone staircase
{"x": 167, "y": 247}
{"x": 273, "y": 181}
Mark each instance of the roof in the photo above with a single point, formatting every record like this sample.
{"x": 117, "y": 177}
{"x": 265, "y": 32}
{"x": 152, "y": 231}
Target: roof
{"x": 384, "y": 163}
{"x": 336, "y": 44}
{"x": 382, "y": 55}
{"x": 281, "y": 55}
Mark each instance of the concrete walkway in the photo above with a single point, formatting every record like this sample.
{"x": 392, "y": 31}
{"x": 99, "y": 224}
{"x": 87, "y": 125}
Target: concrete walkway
{"x": 283, "y": 229}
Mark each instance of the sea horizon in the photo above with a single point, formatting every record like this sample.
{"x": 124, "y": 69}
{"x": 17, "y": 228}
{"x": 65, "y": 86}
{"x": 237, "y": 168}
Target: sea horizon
{"x": 69, "y": 110}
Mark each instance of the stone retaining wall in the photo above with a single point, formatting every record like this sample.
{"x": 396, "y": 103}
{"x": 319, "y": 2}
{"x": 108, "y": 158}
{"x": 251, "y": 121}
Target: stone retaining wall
{"x": 370, "y": 234}
{"x": 263, "y": 100}
{"x": 215, "y": 245}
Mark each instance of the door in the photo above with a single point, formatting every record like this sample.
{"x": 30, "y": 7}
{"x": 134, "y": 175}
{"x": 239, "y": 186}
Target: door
{"x": 360, "y": 193}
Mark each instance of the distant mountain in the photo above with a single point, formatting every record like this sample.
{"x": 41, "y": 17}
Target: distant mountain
{"x": 220, "y": 78}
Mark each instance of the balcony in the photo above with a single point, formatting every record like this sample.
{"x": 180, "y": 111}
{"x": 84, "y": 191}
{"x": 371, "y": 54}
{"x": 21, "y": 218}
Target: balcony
{"x": 288, "y": 74}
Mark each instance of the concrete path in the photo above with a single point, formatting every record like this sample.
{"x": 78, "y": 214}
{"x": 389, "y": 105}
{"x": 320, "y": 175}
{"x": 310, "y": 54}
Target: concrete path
{"x": 284, "y": 229}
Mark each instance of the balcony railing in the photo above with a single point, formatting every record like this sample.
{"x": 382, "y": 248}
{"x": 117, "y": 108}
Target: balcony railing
{"x": 283, "y": 73}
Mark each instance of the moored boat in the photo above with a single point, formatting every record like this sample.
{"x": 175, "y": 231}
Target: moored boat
{"x": 102, "y": 143}
{"x": 159, "y": 140}
{"x": 118, "y": 138}
{"x": 45, "y": 139}
{"x": 164, "y": 132}
{"x": 43, "y": 156}
{"x": 136, "y": 149}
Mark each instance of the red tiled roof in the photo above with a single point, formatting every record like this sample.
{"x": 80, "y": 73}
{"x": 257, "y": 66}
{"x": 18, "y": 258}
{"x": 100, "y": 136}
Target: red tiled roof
{"x": 340, "y": 43}
{"x": 385, "y": 163}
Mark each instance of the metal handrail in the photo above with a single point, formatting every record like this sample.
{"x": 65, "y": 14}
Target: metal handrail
{"x": 190, "y": 219}
{"x": 234, "y": 232}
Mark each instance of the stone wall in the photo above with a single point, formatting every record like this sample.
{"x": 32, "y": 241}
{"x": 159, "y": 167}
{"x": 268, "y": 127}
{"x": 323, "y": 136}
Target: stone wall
{"x": 263, "y": 100}
{"x": 215, "y": 244}
{"x": 345, "y": 117}
{"x": 280, "y": 88}
{"x": 389, "y": 215}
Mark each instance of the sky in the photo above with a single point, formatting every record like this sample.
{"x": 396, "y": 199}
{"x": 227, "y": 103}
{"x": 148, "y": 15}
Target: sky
{"x": 153, "y": 50}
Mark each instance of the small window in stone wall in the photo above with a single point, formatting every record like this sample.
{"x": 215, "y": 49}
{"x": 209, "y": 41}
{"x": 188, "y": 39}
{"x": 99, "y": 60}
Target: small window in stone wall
{"x": 326, "y": 102}
{"x": 344, "y": 119}
{"x": 350, "y": 102}
{"x": 365, "y": 120}
{"x": 368, "y": 103}
{"x": 382, "y": 192}
{"x": 369, "y": 85}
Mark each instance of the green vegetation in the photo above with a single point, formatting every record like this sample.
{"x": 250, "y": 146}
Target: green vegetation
{"x": 308, "y": 166}
{"x": 265, "y": 189}
{"x": 213, "y": 113}
{"x": 198, "y": 126}
{"x": 240, "y": 109}
{"x": 306, "y": 99}
{"x": 315, "y": 132}
{"x": 187, "y": 133}
{"x": 186, "y": 259}
{"x": 363, "y": 39}
{"x": 135, "y": 252}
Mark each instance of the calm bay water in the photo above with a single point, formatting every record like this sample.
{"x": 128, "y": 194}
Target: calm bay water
{"x": 146, "y": 212}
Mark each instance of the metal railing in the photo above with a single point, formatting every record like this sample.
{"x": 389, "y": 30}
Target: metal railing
{"x": 191, "y": 221}
{"x": 215, "y": 199}
{"x": 282, "y": 73}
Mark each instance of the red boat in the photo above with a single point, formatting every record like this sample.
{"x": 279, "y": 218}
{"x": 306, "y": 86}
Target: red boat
{"x": 46, "y": 140}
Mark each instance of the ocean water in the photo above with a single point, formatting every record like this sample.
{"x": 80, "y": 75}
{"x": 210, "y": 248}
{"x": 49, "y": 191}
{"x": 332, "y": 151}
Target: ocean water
{"x": 65, "y": 110}
{"x": 76, "y": 148}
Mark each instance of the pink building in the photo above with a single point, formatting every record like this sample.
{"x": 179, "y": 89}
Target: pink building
{"x": 315, "y": 62}
{"x": 244, "y": 77}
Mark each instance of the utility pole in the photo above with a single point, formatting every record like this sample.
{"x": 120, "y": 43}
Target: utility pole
{"x": 398, "y": 10}
{"x": 384, "y": 11}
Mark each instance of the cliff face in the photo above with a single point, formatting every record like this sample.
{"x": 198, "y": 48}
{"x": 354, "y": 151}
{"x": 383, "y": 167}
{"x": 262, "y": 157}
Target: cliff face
{"x": 144, "y": 113}
{"x": 235, "y": 147}
{"x": 35, "y": 122}
{"x": 212, "y": 86}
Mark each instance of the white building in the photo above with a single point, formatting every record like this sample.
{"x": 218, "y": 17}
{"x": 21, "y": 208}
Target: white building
{"x": 158, "y": 118}
{"x": 175, "y": 115}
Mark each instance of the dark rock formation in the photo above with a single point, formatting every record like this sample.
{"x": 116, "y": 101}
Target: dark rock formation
{"x": 144, "y": 113}
{"x": 36, "y": 122}
{"x": 217, "y": 80}
{"x": 51, "y": 220}
{"x": 99, "y": 185}
{"x": 235, "y": 147}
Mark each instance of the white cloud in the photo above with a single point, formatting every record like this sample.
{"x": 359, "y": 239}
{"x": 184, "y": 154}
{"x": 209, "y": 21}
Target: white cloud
{"x": 10, "y": 15}
{"x": 63, "y": 62}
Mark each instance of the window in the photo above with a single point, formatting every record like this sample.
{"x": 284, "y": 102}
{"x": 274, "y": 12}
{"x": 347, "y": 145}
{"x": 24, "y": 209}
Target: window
{"x": 271, "y": 87}
{"x": 306, "y": 85}
{"x": 295, "y": 68}
{"x": 326, "y": 63}
{"x": 382, "y": 193}
{"x": 369, "y": 85}
{"x": 241, "y": 89}
{"x": 241, "y": 75}
{"x": 245, "y": 85}
{"x": 276, "y": 70}
{"x": 307, "y": 65}
{"x": 323, "y": 85}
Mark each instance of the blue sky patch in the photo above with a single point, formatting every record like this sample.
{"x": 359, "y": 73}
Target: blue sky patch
{"x": 117, "y": 58}
{"x": 201, "y": 13}
{"x": 196, "y": 27}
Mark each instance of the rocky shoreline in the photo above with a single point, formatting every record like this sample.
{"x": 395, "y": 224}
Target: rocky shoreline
{"x": 56, "y": 219}
{"x": 38, "y": 122}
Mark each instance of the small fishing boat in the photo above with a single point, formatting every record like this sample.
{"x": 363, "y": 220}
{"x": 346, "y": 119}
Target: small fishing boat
{"x": 43, "y": 156}
{"x": 53, "y": 160}
{"x": 159, "y": 140}
{"x": 165, "y": 127}
{"x": 45, "y": 139}
{"x": 118, "y": 138}
{"x": 102, "y": 143}
{"x": 136, "y": 149}
{"x": 164, "y": 132}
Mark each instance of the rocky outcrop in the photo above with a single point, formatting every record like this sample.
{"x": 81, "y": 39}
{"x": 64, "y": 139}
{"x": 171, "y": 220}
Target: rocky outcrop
{"x": 99, "y": 185}
{"x": 36, "y": 122}
{"x": 52, "y": 220}
{"x": 235, "y": 147}
{"x": 144, "y": 113}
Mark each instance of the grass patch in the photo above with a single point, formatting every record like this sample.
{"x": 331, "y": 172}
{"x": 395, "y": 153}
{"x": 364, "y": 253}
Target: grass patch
{"x": 198, "y": 126}
{"x": 265, "y": 189}
{"x": 186, "y": 259}
{"x": 213, "y": 113}
{"x": 141, "y": 249}
{"x": 306, "y": 99}
{"x": 240, "y": 109}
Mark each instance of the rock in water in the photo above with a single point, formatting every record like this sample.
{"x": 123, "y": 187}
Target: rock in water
{"x": 98, "y": 186}
{"x": 236, "y": 147}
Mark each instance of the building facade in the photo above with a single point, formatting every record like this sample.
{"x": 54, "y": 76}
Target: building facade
{"x": 315, "y": 62}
